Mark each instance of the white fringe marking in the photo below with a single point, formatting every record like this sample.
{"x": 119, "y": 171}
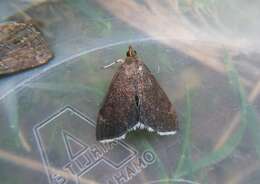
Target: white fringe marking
{"x": 138, "y": 126}
{"x": 114, "y": 139}
{"x": 166, "y": 133}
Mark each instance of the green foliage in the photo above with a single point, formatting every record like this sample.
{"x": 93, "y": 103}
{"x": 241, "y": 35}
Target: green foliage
{"x": 185, "y": 162}
{"x": 185, "y": 166}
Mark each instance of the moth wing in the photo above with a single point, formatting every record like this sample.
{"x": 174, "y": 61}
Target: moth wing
{"x": 21, "y": 47}
{"x": 156, "y": 110}
{"x": 119, "y": 111}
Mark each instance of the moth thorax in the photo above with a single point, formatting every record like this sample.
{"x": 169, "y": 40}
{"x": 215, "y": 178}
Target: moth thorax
{"x": 129, "y": 60}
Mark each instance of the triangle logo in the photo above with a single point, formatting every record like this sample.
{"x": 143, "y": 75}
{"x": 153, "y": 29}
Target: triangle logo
{"x": 74, "y": 146}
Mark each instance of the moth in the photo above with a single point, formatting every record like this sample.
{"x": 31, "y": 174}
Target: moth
{"x": 22, "y": 47}
{"x": 134, "y": 100}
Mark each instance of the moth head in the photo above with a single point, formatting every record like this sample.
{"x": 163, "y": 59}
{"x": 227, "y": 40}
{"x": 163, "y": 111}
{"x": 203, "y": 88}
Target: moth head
{"x": 131, "y": 52}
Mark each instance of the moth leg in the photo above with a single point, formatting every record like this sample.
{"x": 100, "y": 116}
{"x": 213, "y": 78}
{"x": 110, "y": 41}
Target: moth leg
{"x": 115, "y": 62}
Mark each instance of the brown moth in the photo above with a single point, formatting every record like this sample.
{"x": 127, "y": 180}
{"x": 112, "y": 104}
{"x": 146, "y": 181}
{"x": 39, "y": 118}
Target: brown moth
{"x": 21, "y": 47}
{"x": 134, "y": 100}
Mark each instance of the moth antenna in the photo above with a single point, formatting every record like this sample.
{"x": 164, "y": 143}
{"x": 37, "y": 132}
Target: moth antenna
{"x": 115, "y": 62}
